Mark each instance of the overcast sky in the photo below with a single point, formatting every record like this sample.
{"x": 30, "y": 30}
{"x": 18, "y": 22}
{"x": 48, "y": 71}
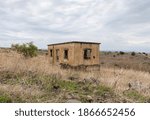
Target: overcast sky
{"x": 117, "y": 24}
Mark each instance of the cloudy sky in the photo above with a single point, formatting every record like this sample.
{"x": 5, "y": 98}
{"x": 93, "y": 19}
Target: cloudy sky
{"x": 117, "y": 24}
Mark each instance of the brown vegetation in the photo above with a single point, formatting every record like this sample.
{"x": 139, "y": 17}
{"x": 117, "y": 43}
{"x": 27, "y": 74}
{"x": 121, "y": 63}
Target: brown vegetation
{"x": 135, "y": 61}
{"x": 35, "y": 80}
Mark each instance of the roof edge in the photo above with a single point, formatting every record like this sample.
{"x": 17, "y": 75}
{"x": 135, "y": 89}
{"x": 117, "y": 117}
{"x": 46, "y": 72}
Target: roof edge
{"x": 82, "y": 42}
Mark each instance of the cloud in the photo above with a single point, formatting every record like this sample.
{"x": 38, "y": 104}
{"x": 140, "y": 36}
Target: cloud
{"x": 117, "y": 24}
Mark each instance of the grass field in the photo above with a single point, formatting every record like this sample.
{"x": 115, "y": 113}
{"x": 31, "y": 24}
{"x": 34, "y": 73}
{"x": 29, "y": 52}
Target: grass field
{"x": 123, "y": 77}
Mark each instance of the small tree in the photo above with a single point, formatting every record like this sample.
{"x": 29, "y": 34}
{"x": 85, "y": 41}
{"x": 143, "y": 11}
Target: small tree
{"x": 133, "y": 53}
{"x": 122, "y": 53}
{"x": 27, "y": 49}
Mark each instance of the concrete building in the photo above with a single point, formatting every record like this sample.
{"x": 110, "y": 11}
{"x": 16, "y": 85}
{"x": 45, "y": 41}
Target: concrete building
{"x": 75, "y": 54}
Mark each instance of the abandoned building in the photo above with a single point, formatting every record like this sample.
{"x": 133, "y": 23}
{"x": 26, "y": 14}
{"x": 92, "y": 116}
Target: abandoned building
{"x": 78, "y": 55}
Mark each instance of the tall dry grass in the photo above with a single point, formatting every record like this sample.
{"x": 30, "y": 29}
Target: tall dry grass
{"x": 119, "y": 79}
{"x": 15, "y": 62}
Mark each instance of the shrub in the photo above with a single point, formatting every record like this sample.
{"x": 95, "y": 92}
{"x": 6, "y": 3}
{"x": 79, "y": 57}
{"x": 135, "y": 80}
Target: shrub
{"x": 133, "y": 54}
{"x": 103, "y": 91}
{"x": 27, "y": 49}
{"x": 135, "y": 95}
{"x": 145, "y": 53}
{"x": 121, "y": 53}
{"x": 5, "y": 99}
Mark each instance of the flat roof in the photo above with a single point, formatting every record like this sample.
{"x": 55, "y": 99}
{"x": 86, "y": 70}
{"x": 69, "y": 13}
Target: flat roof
{"x": 74, "y": 42}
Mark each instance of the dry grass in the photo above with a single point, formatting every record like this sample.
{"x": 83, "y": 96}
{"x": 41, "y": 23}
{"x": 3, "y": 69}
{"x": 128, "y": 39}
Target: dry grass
{"x": 20, "y": 93}
{"x": 13, "y": 61}
{"x": 119, "y": 79}
{"x": 138, "y": 62}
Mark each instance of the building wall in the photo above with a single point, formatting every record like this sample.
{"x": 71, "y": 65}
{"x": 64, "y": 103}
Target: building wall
{"x": 80, "y": 53}
{"x": 61, "y": 48}
{"x": 75, "y": 54}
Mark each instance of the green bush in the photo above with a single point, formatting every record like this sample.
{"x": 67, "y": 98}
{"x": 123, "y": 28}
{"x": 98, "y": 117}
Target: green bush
{"x": 133, "y": 54}
{"x": 27, "y": 49}
{"x": 122, "y": 53}
{"x": 103, "y": 90}
{"x": 135, "y": 95}
{"x": 145, "y": 53}
{"x": 5, "y": 99}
